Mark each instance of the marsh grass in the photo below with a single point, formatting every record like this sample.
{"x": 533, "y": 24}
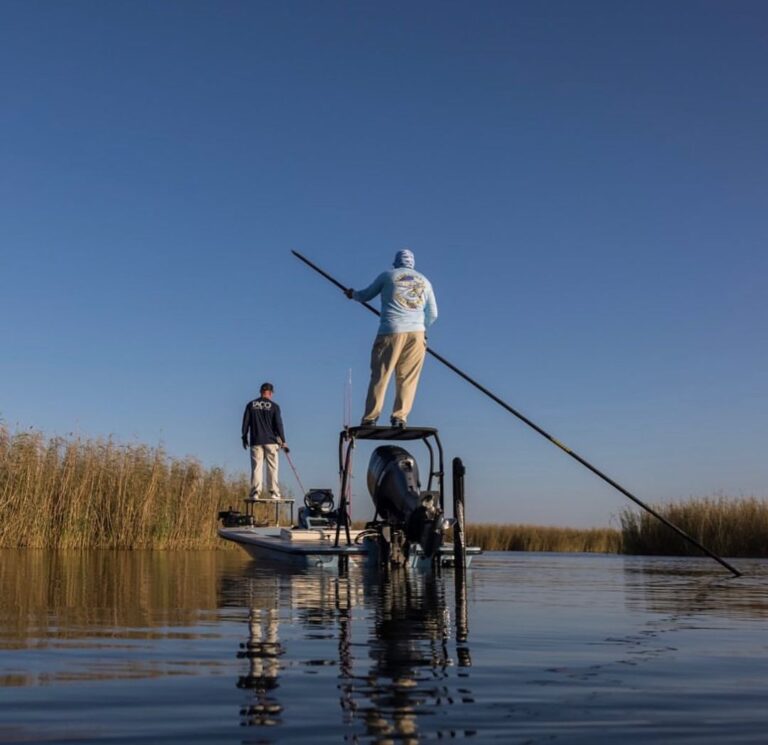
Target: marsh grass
{"x": 513, "y": 537}
{"x": 728, "y": 527}
{"x": 82, "y": 493}
{"x": 491, "y": 537}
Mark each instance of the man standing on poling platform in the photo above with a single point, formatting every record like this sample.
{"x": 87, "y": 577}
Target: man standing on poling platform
{"x": 263, "y": 430}
{"x": 408, "y": 307}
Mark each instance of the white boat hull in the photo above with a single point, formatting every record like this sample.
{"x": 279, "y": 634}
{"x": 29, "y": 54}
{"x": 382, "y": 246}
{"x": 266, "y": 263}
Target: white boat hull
{"x": 315, "y": 548}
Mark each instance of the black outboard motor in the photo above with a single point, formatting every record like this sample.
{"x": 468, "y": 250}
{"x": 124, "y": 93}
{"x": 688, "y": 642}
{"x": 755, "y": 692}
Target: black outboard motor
{"x": 393, "y": 481}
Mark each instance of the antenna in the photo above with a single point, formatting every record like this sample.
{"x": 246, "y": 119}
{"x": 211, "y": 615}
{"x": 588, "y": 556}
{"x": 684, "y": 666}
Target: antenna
{"x": 347, "y": 412}
{"x": 347, "y": 423}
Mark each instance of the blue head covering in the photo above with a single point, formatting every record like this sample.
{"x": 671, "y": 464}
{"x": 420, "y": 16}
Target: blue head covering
{"x": 404, "y": 259}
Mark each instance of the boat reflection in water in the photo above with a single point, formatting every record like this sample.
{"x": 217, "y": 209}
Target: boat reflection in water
{"x": 410, "y": 650}
{"x": 396, "y": 647}
{"x": 262, "y": 650}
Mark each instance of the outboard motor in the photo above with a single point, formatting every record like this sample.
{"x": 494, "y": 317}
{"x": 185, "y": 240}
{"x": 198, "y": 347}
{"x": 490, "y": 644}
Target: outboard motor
{"x": 411, "y": 515}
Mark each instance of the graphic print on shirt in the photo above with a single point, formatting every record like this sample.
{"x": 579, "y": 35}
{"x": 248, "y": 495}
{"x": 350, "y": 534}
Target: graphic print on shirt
{"x": 410, "y": 291}
{"x": 263, "y": 405}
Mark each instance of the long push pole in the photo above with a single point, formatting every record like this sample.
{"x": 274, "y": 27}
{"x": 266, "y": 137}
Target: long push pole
{"x": 542, "y": 432}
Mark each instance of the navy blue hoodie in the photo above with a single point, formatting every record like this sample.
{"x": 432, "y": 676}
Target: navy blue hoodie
{"x": 262, "y": 423}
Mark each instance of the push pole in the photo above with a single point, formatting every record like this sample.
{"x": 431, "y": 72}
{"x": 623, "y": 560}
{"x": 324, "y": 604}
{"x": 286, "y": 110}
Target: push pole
{"x": 543, "y": 433}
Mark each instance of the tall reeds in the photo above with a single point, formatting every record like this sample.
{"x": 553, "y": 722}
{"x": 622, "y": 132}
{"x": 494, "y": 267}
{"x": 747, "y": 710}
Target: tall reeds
{"x": 728, "y": 527}
{"x": 84, "y": 493}
{"x": 500, "y": 537}
{"x": 81, "y": 493}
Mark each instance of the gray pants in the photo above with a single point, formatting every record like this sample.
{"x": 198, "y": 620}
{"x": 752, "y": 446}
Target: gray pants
{"x": 260, "y": 453}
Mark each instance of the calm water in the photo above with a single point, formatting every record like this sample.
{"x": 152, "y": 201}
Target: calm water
{"x": 112, "y": 647}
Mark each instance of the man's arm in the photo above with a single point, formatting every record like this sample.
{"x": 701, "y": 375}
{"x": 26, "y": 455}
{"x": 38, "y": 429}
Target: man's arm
{"x": 430, "y": 309}
{"x": 371, "y": 291}
{"x": 277, "y": 423}
{"x": 245, "y": 427}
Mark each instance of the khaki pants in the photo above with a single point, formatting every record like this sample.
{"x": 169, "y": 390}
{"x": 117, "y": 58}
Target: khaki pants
{"x": 260, "y": 453}
{"x": 402, "y": 354}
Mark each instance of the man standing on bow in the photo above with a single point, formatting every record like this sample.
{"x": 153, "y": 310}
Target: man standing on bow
{"x": 263, "y": 429}
{"x": 408, "y": 306}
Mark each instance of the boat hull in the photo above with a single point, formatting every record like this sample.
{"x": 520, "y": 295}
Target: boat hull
{"x": 316, "y": 549}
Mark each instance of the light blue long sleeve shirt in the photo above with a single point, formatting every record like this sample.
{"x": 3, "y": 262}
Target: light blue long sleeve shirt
{"x": 407, "y": 300}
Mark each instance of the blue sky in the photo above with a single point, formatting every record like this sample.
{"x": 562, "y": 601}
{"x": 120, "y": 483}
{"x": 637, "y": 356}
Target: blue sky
{"x": 585, "y": 184}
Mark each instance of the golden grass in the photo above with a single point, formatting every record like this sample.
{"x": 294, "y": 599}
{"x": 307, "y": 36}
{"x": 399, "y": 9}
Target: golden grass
{"x": 83, "y": 493}
{"x": 512, "y": 537}
{"x": 79, "y": 493}
{"x": 728, "y": 527}
{"x": 492, "y": 537}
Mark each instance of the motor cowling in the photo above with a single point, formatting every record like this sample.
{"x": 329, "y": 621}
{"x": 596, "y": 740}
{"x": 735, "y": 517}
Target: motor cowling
{"x": 393, "y": 482}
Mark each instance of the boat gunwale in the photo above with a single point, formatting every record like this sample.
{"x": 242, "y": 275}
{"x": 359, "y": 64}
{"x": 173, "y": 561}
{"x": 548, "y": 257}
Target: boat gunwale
{"x": 275, "y": 543}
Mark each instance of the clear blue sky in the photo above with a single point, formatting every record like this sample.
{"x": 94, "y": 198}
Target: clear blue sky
{"x": 585, "y": 183}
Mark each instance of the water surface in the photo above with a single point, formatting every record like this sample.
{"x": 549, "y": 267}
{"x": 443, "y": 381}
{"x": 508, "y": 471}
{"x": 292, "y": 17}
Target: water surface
{"x": 124, "y": 647}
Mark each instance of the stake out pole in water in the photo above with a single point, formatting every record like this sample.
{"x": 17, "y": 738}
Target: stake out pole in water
{"x": 542, "y": 432}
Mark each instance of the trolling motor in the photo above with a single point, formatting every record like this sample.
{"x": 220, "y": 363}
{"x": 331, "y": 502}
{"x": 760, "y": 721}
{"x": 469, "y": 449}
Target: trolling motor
{"x": 318, "y": 510}
{"x": 232, "y": 518}
{"x": 408, "y": 515}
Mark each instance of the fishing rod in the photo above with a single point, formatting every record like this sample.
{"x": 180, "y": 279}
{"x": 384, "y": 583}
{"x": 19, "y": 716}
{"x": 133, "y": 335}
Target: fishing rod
{"x": 541, "y": 431}
{"x": 295, "y": 472}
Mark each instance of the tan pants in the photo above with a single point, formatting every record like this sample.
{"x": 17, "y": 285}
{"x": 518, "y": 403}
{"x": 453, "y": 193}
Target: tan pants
{"x": 402, "y": 354}
{"x": 260, "y": 453}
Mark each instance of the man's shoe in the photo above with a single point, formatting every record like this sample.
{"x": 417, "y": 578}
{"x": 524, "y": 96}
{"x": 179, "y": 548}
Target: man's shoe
{"x": 368, "y": 422}
{"x": 275, "y": 496}
{"x": 397, "y": 423}
{"x": 252, "y": 494}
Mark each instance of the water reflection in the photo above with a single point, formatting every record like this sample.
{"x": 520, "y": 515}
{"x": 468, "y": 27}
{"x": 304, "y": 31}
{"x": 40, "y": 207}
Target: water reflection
{"x": 262, "y": 650}
{"x": 392, "y": 672}
{"x": 211, "y": 647}
{"x": 66, "y": 593}
{"x": 685, "y": 586}
{"x": 409, "y": 648}
{"x": 74, "y": 616}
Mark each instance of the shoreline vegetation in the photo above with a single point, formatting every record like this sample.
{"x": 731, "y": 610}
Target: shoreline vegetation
{"x": 513, "y": 537}
{"x": 90, "y": 493}
{"x": 78, "y": 493}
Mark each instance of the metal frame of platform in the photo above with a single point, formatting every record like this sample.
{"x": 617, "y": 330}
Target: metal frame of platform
{"x": 349, "y": 435}
{"x": 278, "y": 503}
